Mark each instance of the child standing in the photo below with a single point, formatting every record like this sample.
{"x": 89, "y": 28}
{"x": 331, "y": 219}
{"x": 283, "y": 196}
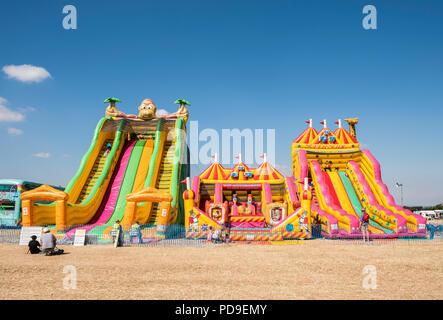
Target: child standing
{"x": 209, "y": 239}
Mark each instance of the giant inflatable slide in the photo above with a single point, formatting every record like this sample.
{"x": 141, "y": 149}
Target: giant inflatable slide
{"x": 345, "y": 179}
{"x": 131, "y": 172}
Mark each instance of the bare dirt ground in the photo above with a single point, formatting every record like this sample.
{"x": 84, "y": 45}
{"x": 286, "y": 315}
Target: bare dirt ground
{"x": 316, "y": 269}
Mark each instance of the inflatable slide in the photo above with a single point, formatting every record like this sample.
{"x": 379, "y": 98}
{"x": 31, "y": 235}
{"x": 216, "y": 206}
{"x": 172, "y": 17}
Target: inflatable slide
{"x": 127, "y": 156}
{"x": 344, "y": 180}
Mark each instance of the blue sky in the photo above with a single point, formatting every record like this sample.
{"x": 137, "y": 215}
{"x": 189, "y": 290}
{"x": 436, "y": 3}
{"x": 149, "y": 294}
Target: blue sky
{"x": 242, "y": 64}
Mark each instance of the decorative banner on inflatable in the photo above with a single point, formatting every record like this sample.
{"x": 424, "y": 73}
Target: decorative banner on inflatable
{"x": 27, "y": 232}
{"x": 80, "y": 237}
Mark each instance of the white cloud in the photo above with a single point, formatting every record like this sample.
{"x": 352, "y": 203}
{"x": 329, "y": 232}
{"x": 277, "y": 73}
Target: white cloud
{"x": 8, "y": 115}
{"x": 26, "y": 73}
{"x": 42, "y": 155}
{"x": 161, "y": 112}
{"x": 14, "y": 131}
{"x": 26, "y": 109}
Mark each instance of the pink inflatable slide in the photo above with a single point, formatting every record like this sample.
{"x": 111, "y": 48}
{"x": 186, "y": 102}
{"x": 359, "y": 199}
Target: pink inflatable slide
{"x": 108, "y": 204}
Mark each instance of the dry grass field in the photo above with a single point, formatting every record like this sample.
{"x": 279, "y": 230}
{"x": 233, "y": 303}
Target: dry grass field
{"x": 314, "y": 269}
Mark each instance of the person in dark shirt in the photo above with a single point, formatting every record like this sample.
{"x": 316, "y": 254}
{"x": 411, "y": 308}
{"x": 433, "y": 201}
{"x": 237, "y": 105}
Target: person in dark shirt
{"x": 108, "y": 149}
{"x": 34, "y": 245}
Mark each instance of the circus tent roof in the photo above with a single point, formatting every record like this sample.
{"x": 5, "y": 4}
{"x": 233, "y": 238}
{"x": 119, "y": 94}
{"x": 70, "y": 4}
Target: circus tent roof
{"x": 307, "y": 136}
{"x": 343, "y": 136}
{"x": 267, "y": 172}
{"x": 241, "y": 172}
{"x": 214, "y": 172}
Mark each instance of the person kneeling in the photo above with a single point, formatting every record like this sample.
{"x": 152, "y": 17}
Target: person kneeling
{"x": 48, "y": 242}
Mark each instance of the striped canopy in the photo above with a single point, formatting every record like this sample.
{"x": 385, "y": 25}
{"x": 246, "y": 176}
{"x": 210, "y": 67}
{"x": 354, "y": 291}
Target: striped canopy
{"x": 306, "y": 136}
{"x": 343, "y": 136}
{"x": 267, "y": 172}
{"x": 214, "y": 172}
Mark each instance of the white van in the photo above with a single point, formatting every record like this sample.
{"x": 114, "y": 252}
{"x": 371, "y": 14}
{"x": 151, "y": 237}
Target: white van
{"x": 428, "y": 214}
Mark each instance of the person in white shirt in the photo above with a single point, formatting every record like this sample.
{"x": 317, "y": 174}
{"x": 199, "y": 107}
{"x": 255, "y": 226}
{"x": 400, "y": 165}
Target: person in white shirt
{"x": 216, "y": 236}
{"x": 48, "y": 241}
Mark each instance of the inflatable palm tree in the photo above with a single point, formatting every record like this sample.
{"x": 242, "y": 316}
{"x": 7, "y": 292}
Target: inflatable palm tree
{"x": 182, "y": 111}
{"x": 112, "y": 101}
{"x": 111, "y": 110}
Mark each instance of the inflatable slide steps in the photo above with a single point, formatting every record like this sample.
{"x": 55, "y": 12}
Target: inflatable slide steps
{"x": 378, "y": 212}
{"x": 164, "y": 177}
{"x": 95, "y": 173}
{"x": 370, "y": 167}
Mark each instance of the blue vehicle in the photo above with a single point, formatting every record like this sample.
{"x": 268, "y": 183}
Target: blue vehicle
{"x": 10, "y": 203}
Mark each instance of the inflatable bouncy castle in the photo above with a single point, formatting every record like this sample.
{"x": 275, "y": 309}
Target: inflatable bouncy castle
{"x": 131, "y": 172}
{"x": 249, "y": 204}
{"x": 344, "y": 180}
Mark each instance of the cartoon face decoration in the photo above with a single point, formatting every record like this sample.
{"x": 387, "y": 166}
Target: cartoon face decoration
{"x": 147, "y": 110}
{"x": 216, "y": 214}
{"x": 276, "y": 214}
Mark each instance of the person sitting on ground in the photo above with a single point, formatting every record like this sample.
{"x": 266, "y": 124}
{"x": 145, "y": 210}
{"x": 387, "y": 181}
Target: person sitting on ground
{"x": 48, "y": 242}
{"x": 34, "y": 245}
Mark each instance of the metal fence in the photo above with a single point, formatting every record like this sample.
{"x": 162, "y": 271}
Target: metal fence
{"x": 178, "y": 236}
